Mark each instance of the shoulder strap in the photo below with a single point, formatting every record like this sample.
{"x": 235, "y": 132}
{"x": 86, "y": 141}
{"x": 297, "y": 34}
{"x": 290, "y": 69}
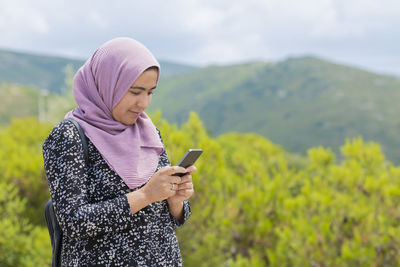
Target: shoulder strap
{"x": 83, "y": 138}
{"x": 55, "y": 231}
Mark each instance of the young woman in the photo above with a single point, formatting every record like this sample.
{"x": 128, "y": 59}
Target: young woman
{"x": 120, "y": 208}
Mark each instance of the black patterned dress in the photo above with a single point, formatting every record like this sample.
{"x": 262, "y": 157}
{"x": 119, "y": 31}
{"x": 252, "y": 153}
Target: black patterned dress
{"x": 93, "y": 211}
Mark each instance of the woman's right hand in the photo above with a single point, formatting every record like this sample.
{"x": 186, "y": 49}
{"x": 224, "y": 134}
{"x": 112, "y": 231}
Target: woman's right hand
{"x": 160, "y": 186}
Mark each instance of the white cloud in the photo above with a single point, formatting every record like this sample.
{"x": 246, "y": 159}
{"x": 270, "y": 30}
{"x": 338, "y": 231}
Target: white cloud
{"x": 98, "y": 20}
{"x": 18, "y": 17}
{"x": 360, "y": 32}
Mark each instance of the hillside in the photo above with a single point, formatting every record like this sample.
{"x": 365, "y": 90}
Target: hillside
{"x": 299, "y": 102}
{"x": 18, "y": 101}
{"x": 48, "y": 72}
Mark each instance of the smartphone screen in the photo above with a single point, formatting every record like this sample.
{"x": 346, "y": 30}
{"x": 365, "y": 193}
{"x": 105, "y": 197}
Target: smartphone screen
{"x": 189, "y": 159}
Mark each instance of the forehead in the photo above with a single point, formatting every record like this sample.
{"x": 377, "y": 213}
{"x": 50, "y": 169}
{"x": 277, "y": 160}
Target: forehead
{"x": 148, "y": 77}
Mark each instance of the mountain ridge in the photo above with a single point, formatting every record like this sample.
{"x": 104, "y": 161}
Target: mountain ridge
{"x": 300, "y": 102}
{"x": 49, "y": 72}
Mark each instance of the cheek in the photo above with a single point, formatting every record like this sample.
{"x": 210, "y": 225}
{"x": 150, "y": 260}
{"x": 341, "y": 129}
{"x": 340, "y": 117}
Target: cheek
{"x": 123, "y": 106}
{"x": 116, "y": 113}
{"x": 129, "y": 101}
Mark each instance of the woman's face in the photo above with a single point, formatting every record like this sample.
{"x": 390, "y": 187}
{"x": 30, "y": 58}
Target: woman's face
{"x": 137, "y": 99}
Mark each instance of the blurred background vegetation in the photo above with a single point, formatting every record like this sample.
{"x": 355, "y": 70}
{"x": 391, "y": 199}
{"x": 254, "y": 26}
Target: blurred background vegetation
{"x": 327, "y": 195}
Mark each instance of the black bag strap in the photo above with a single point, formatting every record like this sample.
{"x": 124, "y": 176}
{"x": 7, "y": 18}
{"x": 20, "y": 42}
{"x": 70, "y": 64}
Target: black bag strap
{"x": 83, "y": 138}
{"x": 55, "y": 233}
{"x": 53, "y": 226}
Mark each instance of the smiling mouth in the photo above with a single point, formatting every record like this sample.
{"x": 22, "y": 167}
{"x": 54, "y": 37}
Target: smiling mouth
{"x": 135, "y": 112}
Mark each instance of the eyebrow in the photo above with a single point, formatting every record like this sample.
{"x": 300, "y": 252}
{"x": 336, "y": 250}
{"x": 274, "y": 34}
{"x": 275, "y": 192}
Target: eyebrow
{"x": 141, "y": 88}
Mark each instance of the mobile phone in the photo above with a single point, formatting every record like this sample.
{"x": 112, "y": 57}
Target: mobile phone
{"x": 189, "y": 159}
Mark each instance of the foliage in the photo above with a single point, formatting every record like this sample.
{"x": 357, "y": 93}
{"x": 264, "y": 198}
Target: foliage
{"x": 17, "y": 101}
{"x": 26, "y": 101}
{"x": 56, "y": 106}
{"x": 21, "y": 243}
{"x": 21, "y": 163}
{"x": 252, "y": 208}
{"x": 254, "y": 204}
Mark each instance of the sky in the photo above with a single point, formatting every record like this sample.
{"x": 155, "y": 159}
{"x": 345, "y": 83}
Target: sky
{"x": 360, "y": 33}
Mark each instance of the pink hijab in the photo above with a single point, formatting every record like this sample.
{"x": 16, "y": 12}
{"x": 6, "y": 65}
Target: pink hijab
{"x": 132, "y": 151}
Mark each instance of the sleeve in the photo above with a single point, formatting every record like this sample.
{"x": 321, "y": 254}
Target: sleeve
{"x": 186, "y": 204}
{"x": 67, "y": 176}
{"x": 186, "y": 214}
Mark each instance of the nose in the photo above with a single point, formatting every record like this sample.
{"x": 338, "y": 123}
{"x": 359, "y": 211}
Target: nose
{"x": 144, "y": 101}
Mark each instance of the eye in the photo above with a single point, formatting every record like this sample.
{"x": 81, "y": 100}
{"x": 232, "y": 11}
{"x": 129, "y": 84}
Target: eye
{"x": 151, "y": 93}
{"x": 135, "y": 93}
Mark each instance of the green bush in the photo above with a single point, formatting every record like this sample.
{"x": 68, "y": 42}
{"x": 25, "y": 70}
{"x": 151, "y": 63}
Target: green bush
{"x": 21, "y": 243}
{"x": 254, "y": 204}
{"x": 21, "y": 163}
{"x": 253, "y": 207}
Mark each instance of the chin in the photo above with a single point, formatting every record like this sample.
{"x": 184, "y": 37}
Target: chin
{"x": 129, "y": 123}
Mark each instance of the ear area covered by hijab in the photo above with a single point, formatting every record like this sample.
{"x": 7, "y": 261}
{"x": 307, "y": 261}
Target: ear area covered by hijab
{"x": 132, "y": 151}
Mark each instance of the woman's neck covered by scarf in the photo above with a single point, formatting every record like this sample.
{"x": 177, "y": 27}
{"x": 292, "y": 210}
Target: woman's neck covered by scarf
{"x": 132, "y": 151}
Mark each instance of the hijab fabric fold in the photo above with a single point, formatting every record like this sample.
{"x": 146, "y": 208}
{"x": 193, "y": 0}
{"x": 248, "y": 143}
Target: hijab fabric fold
{"x": 132, "y": 151}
